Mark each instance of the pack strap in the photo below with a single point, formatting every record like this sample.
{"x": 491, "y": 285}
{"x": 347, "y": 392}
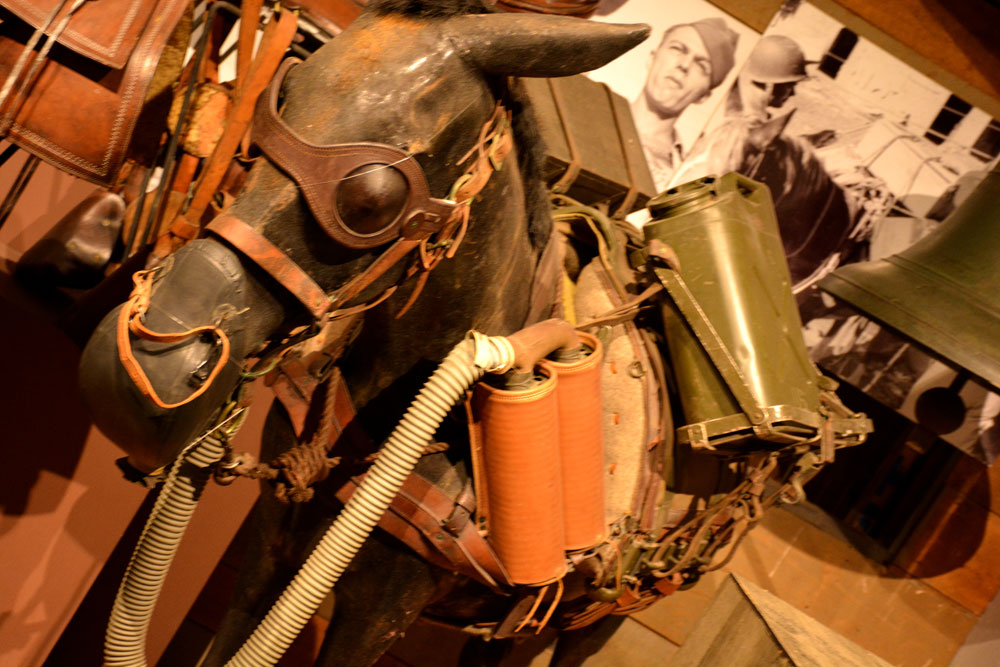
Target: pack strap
{"x": 439, "y": 529}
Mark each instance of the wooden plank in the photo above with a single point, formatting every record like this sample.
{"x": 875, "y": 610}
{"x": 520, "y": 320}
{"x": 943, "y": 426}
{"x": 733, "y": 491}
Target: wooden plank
{"x": 730, "y": 633}
{"x": 747, "y": 626}
{"x": 956, "y": 550}
{"x": 903, "y": 621}
{"x": 900, "y": 619}
{"x": 805, "y": 640}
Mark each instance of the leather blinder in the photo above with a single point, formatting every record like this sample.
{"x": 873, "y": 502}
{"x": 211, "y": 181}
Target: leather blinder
{"x": 318, "y": 170}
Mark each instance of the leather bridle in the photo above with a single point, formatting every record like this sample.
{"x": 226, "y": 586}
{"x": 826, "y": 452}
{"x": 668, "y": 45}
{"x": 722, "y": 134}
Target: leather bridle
{"x": 435, "y": 227}
{"x": 416, "y": 220}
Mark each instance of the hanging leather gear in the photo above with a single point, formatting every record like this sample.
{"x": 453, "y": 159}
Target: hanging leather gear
{"x": 109, "y": 51}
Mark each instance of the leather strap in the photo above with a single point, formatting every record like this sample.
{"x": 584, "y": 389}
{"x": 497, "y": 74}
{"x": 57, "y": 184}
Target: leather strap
{"x": 545, "y": 292}
{"x": 278, "y": 34}
{"x": 393, "y": 254}
{"x": 437, "y": 527}
{"x": 130, "y": 320}
{"x": 249, "y": 17}
{"x": 292, "y": 277}
{"x": 274, "y": 261}
{"x": 420, "y": 516}
{"x": 300, "y": 373}
{"x": 107, "y": 32}
{"x": 23, "y": 59}
{"x": 88, "y": 140}
{"x": 281, "y": 145}
{"x": 317, "y": 169}
{"x": 277, "y": 37}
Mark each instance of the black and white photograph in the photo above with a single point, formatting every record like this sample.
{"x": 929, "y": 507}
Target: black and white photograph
{"x": 678, "y": 76}
{"x": 863, "y": 156}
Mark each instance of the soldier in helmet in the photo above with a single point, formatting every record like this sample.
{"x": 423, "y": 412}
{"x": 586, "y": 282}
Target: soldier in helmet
{"x": 691, "y": 60}
{"x": 814, "y": 212}
{"x": 766, "y": 82}
{"x": 768, "y": 79}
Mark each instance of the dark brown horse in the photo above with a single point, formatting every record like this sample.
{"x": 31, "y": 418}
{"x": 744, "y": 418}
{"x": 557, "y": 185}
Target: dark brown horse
{"x": 422, "y": 80}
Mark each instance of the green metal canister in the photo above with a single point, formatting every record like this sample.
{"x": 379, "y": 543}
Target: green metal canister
{"x": 732, "y": 324}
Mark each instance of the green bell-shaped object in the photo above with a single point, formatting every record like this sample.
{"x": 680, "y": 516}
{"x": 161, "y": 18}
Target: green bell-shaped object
{"x": 944, "y": 290}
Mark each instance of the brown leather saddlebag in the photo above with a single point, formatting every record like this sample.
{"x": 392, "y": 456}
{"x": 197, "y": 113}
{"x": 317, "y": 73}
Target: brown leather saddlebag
{"x": 81, "y": 109}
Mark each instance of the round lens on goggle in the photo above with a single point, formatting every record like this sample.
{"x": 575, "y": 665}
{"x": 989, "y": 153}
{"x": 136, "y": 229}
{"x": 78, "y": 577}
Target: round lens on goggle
{"x": 371, "y": 198}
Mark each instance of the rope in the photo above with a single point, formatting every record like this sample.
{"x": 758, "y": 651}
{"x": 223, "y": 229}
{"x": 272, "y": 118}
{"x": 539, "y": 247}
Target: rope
{"x": 295, "y": 471}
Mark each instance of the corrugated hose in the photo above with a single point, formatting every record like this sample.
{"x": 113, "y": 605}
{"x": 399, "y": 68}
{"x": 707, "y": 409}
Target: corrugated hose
{"x": 126, "y": 634}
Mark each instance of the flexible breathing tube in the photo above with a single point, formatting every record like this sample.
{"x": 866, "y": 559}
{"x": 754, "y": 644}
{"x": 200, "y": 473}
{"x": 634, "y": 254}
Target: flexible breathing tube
{"x": 125, "y": 639}
{"x": 463, "y": 366}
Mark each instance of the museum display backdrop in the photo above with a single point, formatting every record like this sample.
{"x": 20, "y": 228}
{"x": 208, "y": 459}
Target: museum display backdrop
{"x": 864, "y": 155}
{"x": 671, "y": 99}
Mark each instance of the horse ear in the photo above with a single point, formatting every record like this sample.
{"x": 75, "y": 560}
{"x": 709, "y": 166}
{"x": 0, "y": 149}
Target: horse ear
{"x": 542, "y": 46}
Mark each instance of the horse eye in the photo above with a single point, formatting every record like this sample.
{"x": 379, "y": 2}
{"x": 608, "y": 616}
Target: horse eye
{"x": 371, "y": 197}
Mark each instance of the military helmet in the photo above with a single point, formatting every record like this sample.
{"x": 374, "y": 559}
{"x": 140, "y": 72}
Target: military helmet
{"x": 776, "y": 59}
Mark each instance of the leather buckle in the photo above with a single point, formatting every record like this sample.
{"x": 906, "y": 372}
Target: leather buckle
{"x": 465, "y": 505}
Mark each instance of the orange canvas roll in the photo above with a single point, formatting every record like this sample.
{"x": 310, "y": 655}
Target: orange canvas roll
{"x": 581, "y": 445}
{"x": 520, "y": 442}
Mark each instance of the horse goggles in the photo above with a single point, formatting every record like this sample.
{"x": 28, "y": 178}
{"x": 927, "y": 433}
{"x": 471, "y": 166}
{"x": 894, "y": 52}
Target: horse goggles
{"x": 365, "y": 194}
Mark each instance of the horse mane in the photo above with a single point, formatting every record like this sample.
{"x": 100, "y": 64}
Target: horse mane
{"x": 531, "y": 155}
{"x": 428, "y": 8}
{"x": 531, "y": 148}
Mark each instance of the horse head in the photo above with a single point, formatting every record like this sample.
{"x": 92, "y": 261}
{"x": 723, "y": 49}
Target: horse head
{"x": 370, "y": 160}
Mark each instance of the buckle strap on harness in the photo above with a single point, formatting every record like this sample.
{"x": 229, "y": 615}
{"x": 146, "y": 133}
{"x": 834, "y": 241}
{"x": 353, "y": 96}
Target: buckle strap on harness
{"x": 418, "y": 516}
{"x": 422, "y": 516}
{"x": 276, "y": 263}
{"x": 493, "y": 145}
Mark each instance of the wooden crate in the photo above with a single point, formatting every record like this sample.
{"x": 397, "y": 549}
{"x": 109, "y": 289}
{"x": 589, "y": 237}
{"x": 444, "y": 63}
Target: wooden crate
{"x": 745, "y": 626}
{"x": 592, "y": 148}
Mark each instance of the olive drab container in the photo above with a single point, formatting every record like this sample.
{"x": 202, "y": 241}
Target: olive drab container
{"x": 731, "y": 321}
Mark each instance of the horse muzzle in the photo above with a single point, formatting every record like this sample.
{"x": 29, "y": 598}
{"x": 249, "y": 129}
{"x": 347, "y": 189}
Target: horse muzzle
{"x": 202, "y": 285}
